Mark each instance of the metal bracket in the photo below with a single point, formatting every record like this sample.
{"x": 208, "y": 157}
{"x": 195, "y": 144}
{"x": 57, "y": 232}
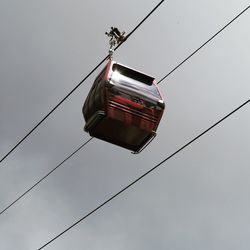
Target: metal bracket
{"x": 152, "y": 136}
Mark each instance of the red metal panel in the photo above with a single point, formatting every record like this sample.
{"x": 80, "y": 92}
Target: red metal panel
{"x": 125, "y": 116}
{"x": 132, "y": 113}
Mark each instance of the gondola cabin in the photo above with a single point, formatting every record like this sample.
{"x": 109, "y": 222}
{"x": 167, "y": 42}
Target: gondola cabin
{"x": 124, "y": 107}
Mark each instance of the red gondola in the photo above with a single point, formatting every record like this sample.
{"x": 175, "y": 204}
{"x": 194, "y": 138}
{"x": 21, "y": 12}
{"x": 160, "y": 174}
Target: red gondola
{"x": 123, "y": 107}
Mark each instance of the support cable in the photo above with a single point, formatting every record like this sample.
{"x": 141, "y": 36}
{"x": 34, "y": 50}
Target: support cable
{"x": 45, "y": 176}
{"x": 77, "y": 86}
{"x": 209, "y": 40}
{"x": 144, "y": 175}
{"x": 91, "y": 138}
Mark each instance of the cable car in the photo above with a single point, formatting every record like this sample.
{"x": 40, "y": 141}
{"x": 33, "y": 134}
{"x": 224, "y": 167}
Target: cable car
{"x": 124, "y": 107}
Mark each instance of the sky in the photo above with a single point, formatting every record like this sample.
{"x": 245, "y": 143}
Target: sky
{"x": 199, "y": 199}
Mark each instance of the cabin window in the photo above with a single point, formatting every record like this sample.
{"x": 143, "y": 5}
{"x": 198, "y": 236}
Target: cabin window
{"x": 134, "y": 80}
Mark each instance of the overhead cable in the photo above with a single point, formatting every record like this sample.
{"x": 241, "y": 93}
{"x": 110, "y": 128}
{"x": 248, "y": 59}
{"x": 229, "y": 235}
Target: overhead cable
{"x": 209, "y": 40}
{"x": 89, "y": 140}
{"x": 144, "y": 175}
{"x": 45, "y": 176}
{"x": 77, "y": 86}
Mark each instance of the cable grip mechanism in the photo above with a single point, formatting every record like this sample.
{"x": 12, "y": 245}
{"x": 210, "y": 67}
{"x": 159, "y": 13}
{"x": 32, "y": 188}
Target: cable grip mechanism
{"x": 116, "y": 38}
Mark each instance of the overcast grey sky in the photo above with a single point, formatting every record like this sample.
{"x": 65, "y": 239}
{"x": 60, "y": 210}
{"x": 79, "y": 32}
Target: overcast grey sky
{"x": 197, "y": 200}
